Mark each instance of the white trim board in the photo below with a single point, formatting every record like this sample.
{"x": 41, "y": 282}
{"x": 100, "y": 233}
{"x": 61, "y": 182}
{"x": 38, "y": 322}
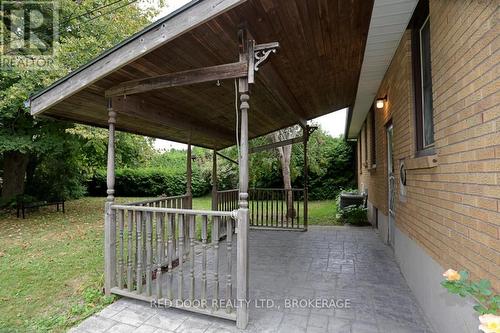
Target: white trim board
{"x": 387, "y": 25}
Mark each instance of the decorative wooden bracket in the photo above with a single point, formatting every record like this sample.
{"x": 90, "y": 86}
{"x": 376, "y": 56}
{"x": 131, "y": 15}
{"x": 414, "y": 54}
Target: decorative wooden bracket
{"x": 262, "y": 52}
{"x": 258, "y": 54}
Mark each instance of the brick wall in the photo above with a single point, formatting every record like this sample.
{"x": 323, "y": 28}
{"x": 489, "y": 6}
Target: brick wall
{"x": 452, "y": 209}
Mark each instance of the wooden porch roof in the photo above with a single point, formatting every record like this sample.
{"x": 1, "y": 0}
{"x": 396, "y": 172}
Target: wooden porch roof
{"x": 315, "y": 71}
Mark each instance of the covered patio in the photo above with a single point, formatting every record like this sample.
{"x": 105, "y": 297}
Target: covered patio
{"x": 346, "y": 264}
{"x": 215, "y": 74}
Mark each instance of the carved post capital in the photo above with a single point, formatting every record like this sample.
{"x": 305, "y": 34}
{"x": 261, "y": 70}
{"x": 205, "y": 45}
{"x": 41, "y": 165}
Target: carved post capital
{"x": 243, "y": 203}
{"x": 244, "y": 101}
{"x": 111, "y": 116}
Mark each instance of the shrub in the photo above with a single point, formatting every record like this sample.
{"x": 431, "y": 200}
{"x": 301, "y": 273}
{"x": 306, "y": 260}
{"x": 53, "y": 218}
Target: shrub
{"x": 355, "y": 215}
{"x": 143, "y": 182}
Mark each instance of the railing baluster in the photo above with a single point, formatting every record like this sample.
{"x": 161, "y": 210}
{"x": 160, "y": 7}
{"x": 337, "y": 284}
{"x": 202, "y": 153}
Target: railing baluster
{"x": 171, "y": 204}
{"x": 282, "y": 199}
{"x": 149, "y": 253}
{"x": 192, "y": 234}
{"x": 138, "y": 222}
{"x": 204, "y": 259}
{"x": 121, "y": 222}
{"x": 160, "y": 252}
{"x": 287, "y": 208}
{"x": 215, "y": 241}
{"x": 170, "y": 254}
{"x": 262, "y": 207}
{"x": 267, "y": 209}
{"x": 229, "y": 282}
{"x": 252, "y": 209}
{"x": 186, "y": 237}
{"x": 298, "y": 208}
{"x": 277, "y": 207}
{"x": 130, "y": 271}
{"x": 181, "y": 256}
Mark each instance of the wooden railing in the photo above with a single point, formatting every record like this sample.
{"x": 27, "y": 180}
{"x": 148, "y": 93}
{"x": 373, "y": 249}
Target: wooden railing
{"x": 227, "y": 201}
{"x": 179, "y": 201}
{"x": 152, "y": 263}
{"x": 275, "y": 208}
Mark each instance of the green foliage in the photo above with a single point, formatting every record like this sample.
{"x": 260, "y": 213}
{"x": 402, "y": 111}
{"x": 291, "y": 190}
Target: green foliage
{"x": 354, "y": 215}
{"x": 82, "y": 37}
{"x": 131, "y": 151}
{"x": 142, "y": 182}
{"x": 331, "y": 166}
{"x": 480, "y": 291}
{"x": 57, "y": 174}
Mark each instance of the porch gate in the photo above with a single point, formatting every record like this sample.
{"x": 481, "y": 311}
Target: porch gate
{"x": 169, "y": 255}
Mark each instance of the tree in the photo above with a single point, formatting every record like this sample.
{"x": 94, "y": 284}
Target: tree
{"x": 84, "y": 33}
{"x": 285, "y": 155}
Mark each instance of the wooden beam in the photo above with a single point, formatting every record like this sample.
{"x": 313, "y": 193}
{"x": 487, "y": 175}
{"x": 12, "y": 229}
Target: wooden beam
{"x": 206, "y": 74}
{"x": 227, "y": 158}
{"x": 136, "y": 107}
{"x": 164, "y": 31}
{"x": 273, "y": 145}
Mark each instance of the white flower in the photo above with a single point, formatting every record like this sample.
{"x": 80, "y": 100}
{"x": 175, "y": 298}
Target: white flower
{"x": 489, "y": 323}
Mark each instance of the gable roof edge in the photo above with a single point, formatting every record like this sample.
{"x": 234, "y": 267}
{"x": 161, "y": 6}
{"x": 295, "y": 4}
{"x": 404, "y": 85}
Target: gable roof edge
{"x": 158, "y": 33}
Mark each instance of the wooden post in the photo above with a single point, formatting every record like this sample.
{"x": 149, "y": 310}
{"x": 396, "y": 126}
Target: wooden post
{"x": 214, "y": 180}
{"x": 189, "y": 204}
{"x": 109, "y": 218}
{"x": 189, "y": 187}
{"x": 306, "y": 176}
{"x": 243, "y": 228}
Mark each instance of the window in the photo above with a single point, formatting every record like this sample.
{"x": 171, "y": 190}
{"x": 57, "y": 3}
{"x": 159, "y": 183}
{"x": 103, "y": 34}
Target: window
{"x": 360, "y": 164}
{"x": 373, "y": 145}
{"x": 422, "y": 78}
{"x": 366, "y": 144}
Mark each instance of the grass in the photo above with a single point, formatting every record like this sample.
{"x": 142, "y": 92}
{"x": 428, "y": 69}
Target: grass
{"x": 51, "y": 264}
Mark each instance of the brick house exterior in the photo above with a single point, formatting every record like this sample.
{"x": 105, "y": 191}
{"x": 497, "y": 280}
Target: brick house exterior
{"x": 448, "y": 213}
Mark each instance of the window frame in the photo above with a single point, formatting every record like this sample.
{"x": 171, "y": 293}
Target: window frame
{"x": 366, "y": 143}
{"x": 360, "y": 157}
{"x": 420, "y": 18}
{"x": 373, "y": 139}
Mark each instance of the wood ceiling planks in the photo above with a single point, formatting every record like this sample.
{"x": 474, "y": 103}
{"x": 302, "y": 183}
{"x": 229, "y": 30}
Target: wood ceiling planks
{"x": 315, "y": 72}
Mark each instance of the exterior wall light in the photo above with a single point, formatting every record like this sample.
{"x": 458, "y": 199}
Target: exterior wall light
{"x": 381, "y": 102}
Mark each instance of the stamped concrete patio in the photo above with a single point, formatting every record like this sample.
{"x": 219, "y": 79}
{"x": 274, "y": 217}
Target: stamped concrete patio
{"x": 345, "y": 264}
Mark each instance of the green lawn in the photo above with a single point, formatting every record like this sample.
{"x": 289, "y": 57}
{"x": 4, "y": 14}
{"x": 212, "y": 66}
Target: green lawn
{"x": 51, "y": 264}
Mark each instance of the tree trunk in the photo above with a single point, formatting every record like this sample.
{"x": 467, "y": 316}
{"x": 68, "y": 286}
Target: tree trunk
{"x": 285, "y": 153}
{"x": 14, "y": 172}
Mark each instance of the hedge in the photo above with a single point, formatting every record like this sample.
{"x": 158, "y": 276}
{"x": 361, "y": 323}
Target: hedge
{"x": 149, "y": 182}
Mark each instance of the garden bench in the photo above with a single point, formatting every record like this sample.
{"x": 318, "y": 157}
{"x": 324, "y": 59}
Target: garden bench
{"x": 23, "y": 206}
